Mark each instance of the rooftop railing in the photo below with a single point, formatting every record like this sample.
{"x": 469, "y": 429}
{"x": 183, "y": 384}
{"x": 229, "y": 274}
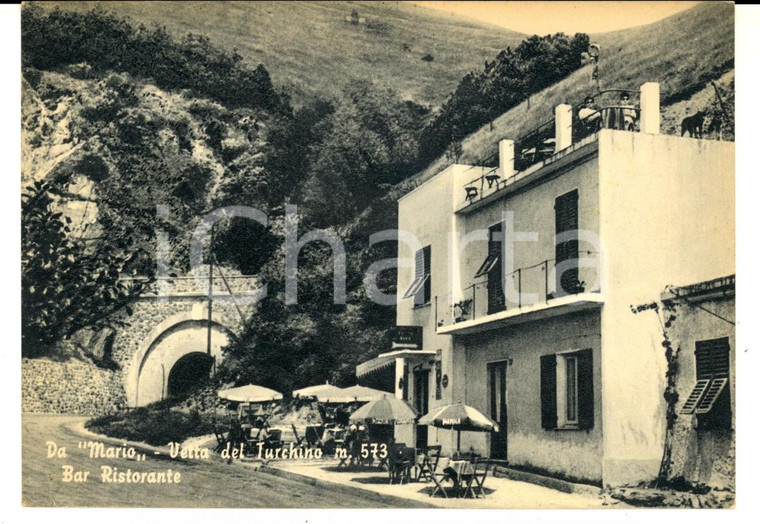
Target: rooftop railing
{"x": 540, "y": 143}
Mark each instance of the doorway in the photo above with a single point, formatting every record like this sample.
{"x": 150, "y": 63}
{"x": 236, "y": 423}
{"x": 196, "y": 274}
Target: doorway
{"x": 497, "y": 406}
{"x": 421, "y": 395}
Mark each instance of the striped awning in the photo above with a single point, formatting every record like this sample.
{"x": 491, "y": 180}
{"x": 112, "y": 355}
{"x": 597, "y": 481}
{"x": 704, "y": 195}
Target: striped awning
{"x": 386, "y": 360}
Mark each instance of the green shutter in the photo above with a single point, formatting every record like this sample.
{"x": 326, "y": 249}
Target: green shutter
{"x": 549, "y": 391}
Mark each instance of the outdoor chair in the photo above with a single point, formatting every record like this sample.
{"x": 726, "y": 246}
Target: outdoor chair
{"x": 429, "y": 462}
{"x": 313, "y": 436}
{"x": 299, "y": 440}
{"x": 221, "y": 440}
{"x": 273, "y": 440}
{"x": 236, "y": 433}
{"x": 400, "y": 462}
{"x": 475, "y": 482}
{"x": 440, "y": 475}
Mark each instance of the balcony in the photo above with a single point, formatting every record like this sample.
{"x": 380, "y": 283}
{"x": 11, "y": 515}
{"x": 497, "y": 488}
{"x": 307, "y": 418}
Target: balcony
{"x": 524, "y": 295}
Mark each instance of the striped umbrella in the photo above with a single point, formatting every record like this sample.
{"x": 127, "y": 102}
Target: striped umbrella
{"x": 387, "y": 410}
{"x": 459, "y": 417}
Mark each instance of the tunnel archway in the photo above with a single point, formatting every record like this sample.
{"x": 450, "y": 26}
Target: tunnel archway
{"x": 187, "y": 333}
{"x": 187, "y": 372}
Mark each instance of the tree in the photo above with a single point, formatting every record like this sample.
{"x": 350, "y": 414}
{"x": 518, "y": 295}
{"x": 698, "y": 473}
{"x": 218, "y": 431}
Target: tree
{"x": 538, "y": 62}
{"x": 366, "y": 144}
{"x": 65, "y": 285}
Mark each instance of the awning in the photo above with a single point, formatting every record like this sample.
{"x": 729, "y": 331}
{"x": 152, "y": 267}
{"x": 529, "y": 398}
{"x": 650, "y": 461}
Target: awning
{"x": 386, "y": 360}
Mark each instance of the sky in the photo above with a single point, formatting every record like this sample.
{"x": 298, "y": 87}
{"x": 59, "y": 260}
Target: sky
{"x": 568, "y": 17}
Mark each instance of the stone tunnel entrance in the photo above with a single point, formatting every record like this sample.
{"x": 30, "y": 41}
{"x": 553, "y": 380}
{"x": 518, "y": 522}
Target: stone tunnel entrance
{"x": 188, "y": 372}
{"x": 175, "y": 357}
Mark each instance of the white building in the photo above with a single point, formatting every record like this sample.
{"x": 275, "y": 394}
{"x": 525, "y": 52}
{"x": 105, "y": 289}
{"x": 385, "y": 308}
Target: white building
{"x": 537, "y": 330}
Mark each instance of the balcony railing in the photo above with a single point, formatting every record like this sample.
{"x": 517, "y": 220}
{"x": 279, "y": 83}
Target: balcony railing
{"x": 519, "y": 289}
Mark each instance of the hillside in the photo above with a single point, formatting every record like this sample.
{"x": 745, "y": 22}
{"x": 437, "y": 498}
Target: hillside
{"x": 683, "y": 53}
{"x": 312, "y": 50}
{"x": 151, "y": 121}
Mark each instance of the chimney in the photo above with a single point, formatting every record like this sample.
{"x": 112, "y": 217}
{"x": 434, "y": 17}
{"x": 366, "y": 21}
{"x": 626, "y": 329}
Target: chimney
{"x": 650, "y": 108}
{"x": 506, "y": 158}
{"x": 563, "y": 127}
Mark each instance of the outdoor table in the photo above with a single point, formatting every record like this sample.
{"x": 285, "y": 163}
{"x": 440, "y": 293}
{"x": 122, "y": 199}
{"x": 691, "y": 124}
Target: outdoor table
{"x": 457, "y": 470}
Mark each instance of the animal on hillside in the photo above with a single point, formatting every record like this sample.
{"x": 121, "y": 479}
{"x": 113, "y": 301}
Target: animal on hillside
{"x": 693, "y": 124}
{"x": 715, "y": 127}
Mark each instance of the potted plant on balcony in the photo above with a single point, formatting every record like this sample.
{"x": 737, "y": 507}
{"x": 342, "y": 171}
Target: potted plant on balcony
{"x": 462, "y": 310}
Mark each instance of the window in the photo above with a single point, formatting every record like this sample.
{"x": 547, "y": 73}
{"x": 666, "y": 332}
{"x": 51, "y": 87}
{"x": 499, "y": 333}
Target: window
{"x": 710, "y": 399}
{"x": 420, "y": 288}
{"x": 566, "y": 251}
{"x": 492, "y": 267}
{"x": 567, "y": 382}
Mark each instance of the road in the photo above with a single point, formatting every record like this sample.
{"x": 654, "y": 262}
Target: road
{"x": 207, "y": 483}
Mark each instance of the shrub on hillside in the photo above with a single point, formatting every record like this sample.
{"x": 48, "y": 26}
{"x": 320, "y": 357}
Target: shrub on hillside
{"x": 538, "y": 62}
{"x": 157, "y": 425}
{"x": 106, "y": 42}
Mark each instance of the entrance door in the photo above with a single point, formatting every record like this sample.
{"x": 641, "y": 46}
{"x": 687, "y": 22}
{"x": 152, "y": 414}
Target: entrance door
{"x": 421, "y": 395}
{"x": 497, "y": 405}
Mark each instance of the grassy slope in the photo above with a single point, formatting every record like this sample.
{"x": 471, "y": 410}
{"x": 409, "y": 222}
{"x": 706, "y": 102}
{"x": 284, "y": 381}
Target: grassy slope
{"x": 309, "y": 48}
{"x": 682, "y": 53}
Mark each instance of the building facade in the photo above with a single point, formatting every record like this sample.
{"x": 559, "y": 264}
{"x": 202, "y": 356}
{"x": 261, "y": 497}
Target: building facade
{"x": 522, "y": 279}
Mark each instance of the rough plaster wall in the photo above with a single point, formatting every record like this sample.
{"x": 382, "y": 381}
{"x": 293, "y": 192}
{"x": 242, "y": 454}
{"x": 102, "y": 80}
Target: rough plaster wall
{"x": 701, "y": 455}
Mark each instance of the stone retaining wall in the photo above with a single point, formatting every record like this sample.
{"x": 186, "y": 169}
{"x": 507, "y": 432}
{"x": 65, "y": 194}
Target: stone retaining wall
{"x": 72, "y": 387}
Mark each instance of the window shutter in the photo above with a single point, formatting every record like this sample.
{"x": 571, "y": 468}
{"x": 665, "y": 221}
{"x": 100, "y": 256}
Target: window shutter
{"x": 426, "y": 286}
{"x": 711, "y": 395}
{"x": 496, "y": 301}
{"x": 585, "y": 389}
{"x": 566, "y": 219}
{"x": 695, "y": 396}
{"x": 712, "y": 358}
{"x": 549, "y": 391}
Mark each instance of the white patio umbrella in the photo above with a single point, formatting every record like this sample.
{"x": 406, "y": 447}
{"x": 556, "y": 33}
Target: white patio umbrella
{"x": 460, "y": 417}
{"x": 249, "y": 393}
{"x": 324, "y": 393}
{"x": 364, "y": 394}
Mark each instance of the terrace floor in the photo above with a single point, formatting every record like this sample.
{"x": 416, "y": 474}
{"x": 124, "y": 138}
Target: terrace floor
{"x": 502, "y": 493}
